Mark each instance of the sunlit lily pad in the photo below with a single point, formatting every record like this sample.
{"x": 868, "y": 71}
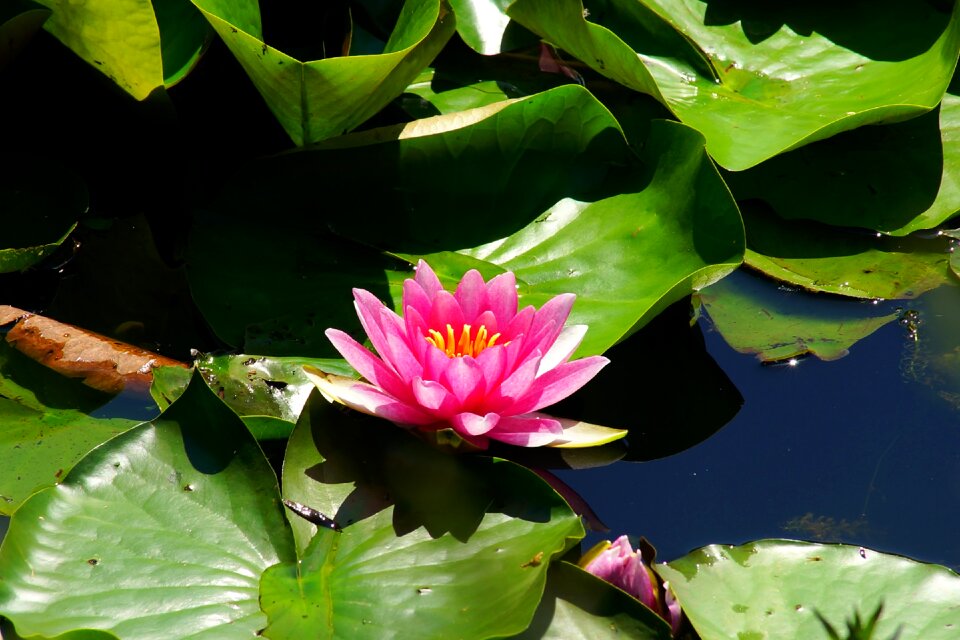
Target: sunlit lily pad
{"x": 139, "y": 44}
{"x": 776, "y": 76}
{"x": 162, "y": 532}
{"x": 777, "y": 589}
{"x": 843, "y": 261}
{"x": 319, "y": 99}
{"x": 775, "y": 325}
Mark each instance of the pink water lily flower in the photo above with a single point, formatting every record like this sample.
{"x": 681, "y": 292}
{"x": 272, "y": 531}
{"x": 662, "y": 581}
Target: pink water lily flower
{"x": 469, "y": 361}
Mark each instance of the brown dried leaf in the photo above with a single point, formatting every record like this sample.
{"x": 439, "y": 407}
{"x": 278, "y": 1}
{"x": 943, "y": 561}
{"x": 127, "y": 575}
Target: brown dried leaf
{"x": 103, "y": 363}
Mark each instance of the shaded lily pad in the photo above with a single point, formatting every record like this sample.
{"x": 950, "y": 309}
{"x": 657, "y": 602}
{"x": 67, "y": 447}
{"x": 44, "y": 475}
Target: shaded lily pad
{"x": 895, "y": 178}
{"x": 278, "y": 295}
{"x": 846, "y": 262}
{"x": 415, "y": 523}
{"x": 776, "y": 77}
{"x": 164, "y": 531}
{"x": 754, "y": 319}
{"x": 41, "y": 203}
{"x": 579, "y": 606}
{"x": 779, "y": 588}
{"x": 19, "y": 20}
{"x": 319, "y": 99}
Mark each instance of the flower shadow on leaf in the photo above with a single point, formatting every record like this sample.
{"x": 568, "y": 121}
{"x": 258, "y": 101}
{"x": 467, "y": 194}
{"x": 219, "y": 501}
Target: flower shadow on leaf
{"x": 428, "y": 488}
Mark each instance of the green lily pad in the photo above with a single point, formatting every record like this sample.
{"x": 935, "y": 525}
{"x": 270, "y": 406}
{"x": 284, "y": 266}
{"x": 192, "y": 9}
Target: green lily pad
{"x": 46, "y": 426}
{"x": 579, "y": 606}
{"x": 777, "y": 77}
{"x": 773, "y": 326}
{"x": 267, "y": 393}
{"x": 645, "y": 251}
{"x": 433, "y": 545}
{"x": 320, "y": 99}
{"x": 123, "y": 40}
{"x": 162, "y": 532}
{"x": 777, "y": 589}
{"x": 896, "y": 178}
{"x": 41, "y": 204}
{"x": 279, "y": 299}
{"x": 19, "y": 20}
{"x": 850, "y": 263}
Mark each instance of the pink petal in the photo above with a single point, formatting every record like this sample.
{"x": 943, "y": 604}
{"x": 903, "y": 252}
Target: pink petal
{"x": 488, "y": 320}
{"x": 549, "y": 321}
{"x": 445, "y": 311}
{"x": 525, "y": 431}
{"x": 566, "y": 343}
{"x": 435, "y": 398}
{"x": 464, "y": 377}
{"x": 435, "y": 362}
{"x": 492, "y": 362}
{"x": 416, "y": 332}
{"x": 517, "y": 325}
{"x": 396, "y": 349}
{"x": 560, "y": 382}
{"x": 427, "y": 279}
{"x": 371, "y": 400}
{"x": 414, "y": 296}
{"x": 502, "y": 295}
{"x": 516, "y": 386}
{"x": 474, "y": 425}
{"x": 368, "y": 310}
{"x": 368, "y": 365}
{"x": 472, "y": 296}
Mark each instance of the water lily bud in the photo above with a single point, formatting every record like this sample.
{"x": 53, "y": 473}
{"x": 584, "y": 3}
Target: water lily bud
{"x": 622, "y": 566}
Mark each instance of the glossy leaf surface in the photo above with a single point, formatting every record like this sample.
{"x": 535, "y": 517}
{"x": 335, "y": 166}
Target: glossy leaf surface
{"x": 759, "y": 81}
{"x": 776, "y": 588}
{"x": 207, "y": 513}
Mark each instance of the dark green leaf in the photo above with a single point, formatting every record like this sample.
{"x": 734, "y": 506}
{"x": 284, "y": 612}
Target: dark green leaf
{"x": 19, "y": 20}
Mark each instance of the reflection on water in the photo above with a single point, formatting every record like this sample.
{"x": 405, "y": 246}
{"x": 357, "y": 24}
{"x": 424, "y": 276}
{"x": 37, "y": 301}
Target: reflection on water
{"x": 864, "y": 450}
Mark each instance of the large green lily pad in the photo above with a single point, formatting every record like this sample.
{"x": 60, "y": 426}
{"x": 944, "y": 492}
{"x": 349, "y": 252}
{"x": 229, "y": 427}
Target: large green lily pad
{"x": 628, "y": 257}
{"x": 776, "y": 325}
{"x": 433, "y": 545}
{"x": 895, "y": 178}
{"x": 279, "y": 299}
{"x": 776, "y": 76}
{"x": 319, "y": 99}
{"x": 775, "y": 589}
{"x": 842, "y": 261}
{"x": 162, "y": 532}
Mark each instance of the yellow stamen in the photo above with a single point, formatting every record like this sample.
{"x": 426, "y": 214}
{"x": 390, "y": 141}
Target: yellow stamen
{"x": 466, "y": 345}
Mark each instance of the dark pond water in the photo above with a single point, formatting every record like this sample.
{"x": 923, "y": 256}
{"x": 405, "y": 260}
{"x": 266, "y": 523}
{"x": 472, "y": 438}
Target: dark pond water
{"x": 864, "y": 450}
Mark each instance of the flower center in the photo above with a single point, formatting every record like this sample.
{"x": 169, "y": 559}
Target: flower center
{"x": 466, "y": 345}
